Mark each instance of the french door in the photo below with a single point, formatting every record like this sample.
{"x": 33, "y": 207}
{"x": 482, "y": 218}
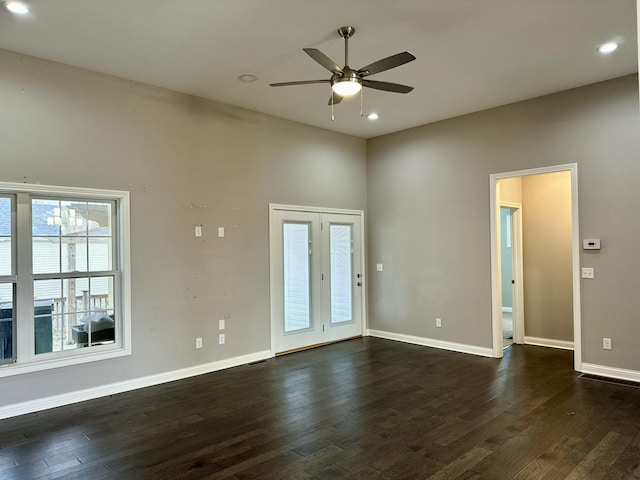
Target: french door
{"x": 316, "y": 277}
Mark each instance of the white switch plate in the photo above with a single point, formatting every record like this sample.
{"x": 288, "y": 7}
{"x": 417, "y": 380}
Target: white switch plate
{"x": 588, "y": 272}
{"x": 438, "y": 322}
{"x": 606, "y": 343}
{"x": 220, "y": 324}
{"x": 379, "y": 267}
{"x": 221, "y": 339}
{"x": 220, "y": 232}
{"x": 198, "y": 231}
{"x": 199, "y": 342}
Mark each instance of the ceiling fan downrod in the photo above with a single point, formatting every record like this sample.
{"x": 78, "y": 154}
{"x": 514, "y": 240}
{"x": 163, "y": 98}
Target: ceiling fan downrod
{"x": 346, "y": 33}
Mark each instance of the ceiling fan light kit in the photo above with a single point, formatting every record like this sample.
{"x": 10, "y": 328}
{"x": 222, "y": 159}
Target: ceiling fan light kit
{"x": 346, "y": 87}
{"x": 346, "y": 81}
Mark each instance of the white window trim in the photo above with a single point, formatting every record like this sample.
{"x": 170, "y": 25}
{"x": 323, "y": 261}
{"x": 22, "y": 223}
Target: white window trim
{"x": 96, "y": 353}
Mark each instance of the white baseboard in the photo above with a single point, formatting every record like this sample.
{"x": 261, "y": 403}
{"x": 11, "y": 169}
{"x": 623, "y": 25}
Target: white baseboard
{"x": 549, "y": 342}
{"x": 127, "y": 385}
{"x": 612, "y": 372}
{"x": 430, "y": 342}
{"x": 507, "y": 309}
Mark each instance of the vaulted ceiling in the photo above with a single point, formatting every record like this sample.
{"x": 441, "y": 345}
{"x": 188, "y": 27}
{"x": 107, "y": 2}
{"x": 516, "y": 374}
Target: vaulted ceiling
{"x": 471, "y": 54}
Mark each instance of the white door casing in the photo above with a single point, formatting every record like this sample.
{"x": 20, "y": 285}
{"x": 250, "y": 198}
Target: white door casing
{"x": 321, "y": 300}
{"x": 496, "y": 285}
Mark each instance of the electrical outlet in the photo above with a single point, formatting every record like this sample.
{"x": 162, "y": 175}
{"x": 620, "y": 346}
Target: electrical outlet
{"x": 438, "y": 322}
{"x": 220, "y": 324}
{"x": 588, "y": 272}
{"x": 199, "y": 342}
{"x": 606, "y": 343}
{"x": 221, "y": 339}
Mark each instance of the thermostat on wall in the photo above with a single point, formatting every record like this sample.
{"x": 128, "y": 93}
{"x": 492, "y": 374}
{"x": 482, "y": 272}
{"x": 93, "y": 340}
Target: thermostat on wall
{"x": 591, "y": 244}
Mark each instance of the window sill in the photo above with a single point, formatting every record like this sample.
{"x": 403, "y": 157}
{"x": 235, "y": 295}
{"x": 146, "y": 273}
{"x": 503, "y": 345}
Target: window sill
{"x": 10, "y": 369}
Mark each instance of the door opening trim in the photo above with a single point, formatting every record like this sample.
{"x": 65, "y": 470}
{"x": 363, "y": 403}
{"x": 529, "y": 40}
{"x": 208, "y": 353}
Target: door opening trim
{"x": 496, "y": 276}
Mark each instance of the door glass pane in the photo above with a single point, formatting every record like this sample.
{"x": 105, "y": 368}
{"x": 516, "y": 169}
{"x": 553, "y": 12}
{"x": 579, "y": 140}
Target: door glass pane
{"x": 297, "y": 285}
{"x": 341, "y": 273}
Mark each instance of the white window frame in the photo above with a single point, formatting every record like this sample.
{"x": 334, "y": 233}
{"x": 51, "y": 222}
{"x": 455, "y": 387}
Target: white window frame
{"x": 26, "y": 360}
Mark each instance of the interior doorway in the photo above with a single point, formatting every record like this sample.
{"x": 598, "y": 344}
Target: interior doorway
{"x": 543, "y": 282}
{"x": 512, "y": 310}
{"x": 317, "y": 276}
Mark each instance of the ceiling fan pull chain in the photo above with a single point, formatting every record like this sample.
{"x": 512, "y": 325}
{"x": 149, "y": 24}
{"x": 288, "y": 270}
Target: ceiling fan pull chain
{"x": 361, "y": 113}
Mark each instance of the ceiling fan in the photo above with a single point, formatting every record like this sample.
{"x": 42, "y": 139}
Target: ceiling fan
{"x": 346, "y": 81}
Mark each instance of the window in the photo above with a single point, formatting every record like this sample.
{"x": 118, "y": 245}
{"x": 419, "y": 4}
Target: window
{"x": 64, "y": 276}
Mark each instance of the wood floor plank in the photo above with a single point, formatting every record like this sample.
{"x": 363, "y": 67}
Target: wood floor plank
{"x": 363, "y": 409}
{"x": 597, "y": 463}
{"x": 462, "y": 464}
{"x": 545, "y": 463}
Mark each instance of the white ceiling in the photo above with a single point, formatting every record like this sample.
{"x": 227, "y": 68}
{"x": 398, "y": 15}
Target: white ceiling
{"x": 471, "y": 54}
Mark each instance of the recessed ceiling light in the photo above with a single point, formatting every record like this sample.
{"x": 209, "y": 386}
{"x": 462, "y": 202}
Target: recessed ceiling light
{"x": 16, "y": 7}
{"x": 247, "y": 78}
{"x": 607, "y": 48}
{"x": 373, "y": 116}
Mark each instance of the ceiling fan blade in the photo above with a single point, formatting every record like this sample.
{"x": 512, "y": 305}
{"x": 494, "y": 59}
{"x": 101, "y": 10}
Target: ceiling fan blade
{"x": 386, "y": 64}
{"x": 387, "y": 86}
{"x": 301, "y": 82}
{"x": 323, "y": 60}
{"x": 334, "y": 99}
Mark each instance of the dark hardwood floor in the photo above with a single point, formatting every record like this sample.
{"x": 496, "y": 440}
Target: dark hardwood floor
{"x": 362, "y": 409}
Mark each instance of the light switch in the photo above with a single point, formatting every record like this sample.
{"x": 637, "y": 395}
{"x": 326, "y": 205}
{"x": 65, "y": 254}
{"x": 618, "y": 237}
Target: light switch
{"x": 220, "y": 232}
{"x": 198, "y": 230}
{"x": 221, "y": 324}
{"x": 379, "y": 267}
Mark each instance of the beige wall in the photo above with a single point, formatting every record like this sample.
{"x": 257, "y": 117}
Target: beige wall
{"x": 547, "y": 257}
{"x": 511, "y": 189}
{"x": 428, "y": 214}
{"x": 65, "y": 126}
